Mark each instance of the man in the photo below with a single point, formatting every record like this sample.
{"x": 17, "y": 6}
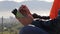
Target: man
{"x": 39, "y": 26}
{"x": 51, "y": 26}
{"x": 26, "y": 21}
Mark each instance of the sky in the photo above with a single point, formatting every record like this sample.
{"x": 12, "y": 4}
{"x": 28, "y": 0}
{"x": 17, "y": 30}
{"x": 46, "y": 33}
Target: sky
{"x": 27, "y": 0}
{"x": 6, "y": 14}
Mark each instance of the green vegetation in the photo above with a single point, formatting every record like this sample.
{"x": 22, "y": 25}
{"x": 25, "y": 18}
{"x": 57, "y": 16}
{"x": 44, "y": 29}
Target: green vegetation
{"x": 7, "y": 32}
{"x": 10, "y": 25}
{"x": 14, "y": 29}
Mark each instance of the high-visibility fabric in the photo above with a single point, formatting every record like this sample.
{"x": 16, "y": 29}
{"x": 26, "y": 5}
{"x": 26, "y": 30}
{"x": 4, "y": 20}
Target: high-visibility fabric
{"x": 54, "y": 9}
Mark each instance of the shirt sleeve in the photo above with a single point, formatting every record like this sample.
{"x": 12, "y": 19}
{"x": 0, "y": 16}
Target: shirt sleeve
{"x": 32, "y": 30}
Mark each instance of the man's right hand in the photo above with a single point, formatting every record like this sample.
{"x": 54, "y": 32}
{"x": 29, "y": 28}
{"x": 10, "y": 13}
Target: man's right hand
{"x": 28, "y": 18}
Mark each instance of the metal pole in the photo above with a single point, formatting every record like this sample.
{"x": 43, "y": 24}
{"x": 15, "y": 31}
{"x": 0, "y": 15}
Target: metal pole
{"x": 2, "y": 24}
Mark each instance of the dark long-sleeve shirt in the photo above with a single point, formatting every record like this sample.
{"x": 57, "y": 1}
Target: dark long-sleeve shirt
{"x": 51, "y": 26}
{"x": 32, "y": 30}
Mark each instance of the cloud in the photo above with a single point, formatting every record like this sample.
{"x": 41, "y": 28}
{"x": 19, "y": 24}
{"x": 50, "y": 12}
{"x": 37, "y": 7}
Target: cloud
{"x": 9, "y": 5}
{"x": 47, "y": 0}
{"x": 34, "y": 6}
{"x": 28, "y": 0}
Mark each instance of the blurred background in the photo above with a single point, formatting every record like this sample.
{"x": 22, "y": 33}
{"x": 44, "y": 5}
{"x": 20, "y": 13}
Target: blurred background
{"x": 9, "y": 24}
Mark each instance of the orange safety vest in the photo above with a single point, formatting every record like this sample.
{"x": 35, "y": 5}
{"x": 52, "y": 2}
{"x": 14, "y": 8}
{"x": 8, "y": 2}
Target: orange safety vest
{"x": 54, "y": 9}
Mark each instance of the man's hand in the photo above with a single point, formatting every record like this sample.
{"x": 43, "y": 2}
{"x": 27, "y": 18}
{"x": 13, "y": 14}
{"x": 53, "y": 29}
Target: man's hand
{"x": 28, "y": 17}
